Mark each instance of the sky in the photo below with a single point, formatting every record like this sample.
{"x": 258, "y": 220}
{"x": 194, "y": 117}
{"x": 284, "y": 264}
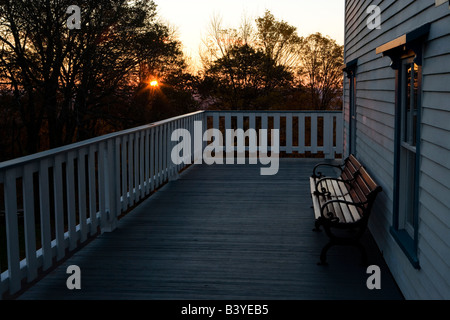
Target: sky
{"x": 191, "y": 18}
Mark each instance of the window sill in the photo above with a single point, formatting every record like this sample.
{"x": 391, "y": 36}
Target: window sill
{"x": 406, "y": 243}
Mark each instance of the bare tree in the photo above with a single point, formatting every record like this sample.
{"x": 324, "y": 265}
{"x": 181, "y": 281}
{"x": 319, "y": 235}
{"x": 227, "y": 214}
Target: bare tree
{"x": 279, "y": 40}
{"x": 321, "y": 60}
{"x": 66, "y": 82}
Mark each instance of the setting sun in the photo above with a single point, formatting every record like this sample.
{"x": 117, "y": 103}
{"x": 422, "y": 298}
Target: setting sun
{"x": 154, "y": 83}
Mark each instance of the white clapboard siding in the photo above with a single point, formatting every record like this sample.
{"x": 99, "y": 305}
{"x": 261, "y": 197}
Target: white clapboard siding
{"x": 375, "y": 107}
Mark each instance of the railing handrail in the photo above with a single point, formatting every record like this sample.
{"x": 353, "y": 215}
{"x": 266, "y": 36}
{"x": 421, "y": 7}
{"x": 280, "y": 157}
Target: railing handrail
{"x": 276, "y": 111}
{"x": 8, "y": 164}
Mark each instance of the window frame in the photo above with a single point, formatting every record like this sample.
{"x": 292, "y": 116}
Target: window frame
{"x": 350, "y": 69}
{"x": 406, "y": 49}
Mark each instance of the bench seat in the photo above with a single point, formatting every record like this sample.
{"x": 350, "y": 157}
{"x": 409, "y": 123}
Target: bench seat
{"x": 343, "y": 202}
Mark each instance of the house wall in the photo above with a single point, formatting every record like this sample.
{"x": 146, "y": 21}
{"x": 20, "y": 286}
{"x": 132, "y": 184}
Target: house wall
{"x": 375, "y": 100}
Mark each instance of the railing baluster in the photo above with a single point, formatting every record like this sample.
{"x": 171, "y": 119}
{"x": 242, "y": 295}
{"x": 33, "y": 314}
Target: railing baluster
{"x": 102, "y": 186}
{"x": 241, "y": 146}
{"x": 229, "y": 143}
{"x": 124, "y": 152}
{"x": 215, "y": 121}
{"x": 314, "y": 133}
{"x": 157, "y": 156}
{"x": 116, "y": 174}
{"x": 328, "y": 136}
{"x": 289, "y": 141}
{"x": 301, "y": 133}
{"x": 152, "y": 159}
{"x": 160, "y": 155}
{"x": 59, "y": 206}
{"x": 12, "y": 230}
{"x": 130, "y": 170}
{"x": 168, "y": 147}
{"x": 253, "y": 140}
{"x": 44, "y": 197}
{"x": 136, "y": 167}
{"x": 110, "y": 169}
{"x": 92, "y": 190}
{"x": 165, "y": 147}
{"x": 339, "y": 134}
{"x": 141, "y": 164}
{"x": 29, "y": 225}
{"x": 82, "y": 194}
{"x": 186, "y": 156}
{"x": 276, "y": 126}
{"x": 147, "y": 162}
{"x": 71, "y": 206}
{"x": 264, "y": 121}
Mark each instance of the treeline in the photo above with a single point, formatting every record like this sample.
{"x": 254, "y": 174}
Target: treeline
{"x": 59, "y": 86}
{"x": 266, "y": 65}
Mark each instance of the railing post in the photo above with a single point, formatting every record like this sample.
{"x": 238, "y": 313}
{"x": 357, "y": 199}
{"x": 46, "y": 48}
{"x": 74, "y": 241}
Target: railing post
{"x": 59, "y": 206}
{"x": 82, "y": 194}
{"x": 289, "y": 142}
{"x": 173, "y": 168}
{"x": 44, "y": 201}
{"x": 339, "y": 133}
{"x": 328, "y": 136}
{"x": 29, "y": 222}
{"x": 107, "y": 185}
{"x": 12, "y": 231}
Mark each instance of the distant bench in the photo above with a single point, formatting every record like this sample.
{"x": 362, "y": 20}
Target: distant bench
{"x": 343, "y": 203}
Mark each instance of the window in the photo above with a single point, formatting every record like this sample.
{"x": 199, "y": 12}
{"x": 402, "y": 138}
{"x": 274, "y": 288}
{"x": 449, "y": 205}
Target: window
{"x": 350, "y": 69}
{"x": 406, "y": 55}
{"x": 407, "y": 153}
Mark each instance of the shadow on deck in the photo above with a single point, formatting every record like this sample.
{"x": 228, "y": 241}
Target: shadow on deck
{"x": 221, "y": 232}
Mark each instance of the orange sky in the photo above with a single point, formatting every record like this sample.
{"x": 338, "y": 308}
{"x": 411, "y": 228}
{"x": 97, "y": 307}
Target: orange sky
{"x": 192, "y": 17}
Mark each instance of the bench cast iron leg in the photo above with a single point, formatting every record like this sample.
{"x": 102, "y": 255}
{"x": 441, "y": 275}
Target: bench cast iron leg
{"x": 317, "y": 226}
{"x": 323, "y": 254}
{"x": 363, "y": 254}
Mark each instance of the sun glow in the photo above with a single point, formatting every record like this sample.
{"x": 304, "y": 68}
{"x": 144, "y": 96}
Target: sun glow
{"x": 154, "y": 83}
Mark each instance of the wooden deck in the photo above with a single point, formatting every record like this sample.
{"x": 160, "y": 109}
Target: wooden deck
{"x": 220, "y": 232}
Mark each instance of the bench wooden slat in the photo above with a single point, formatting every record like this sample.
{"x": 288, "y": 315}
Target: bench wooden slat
{"x": 361, "y": 189}
{"x": 342, "y": 193}
{"x": 315, "y": 199}
{"x": 368, "y": 179}
{"x": 352, "y": 165}
{"x": 352, "y": 209}
{"x": 335, "y": 193}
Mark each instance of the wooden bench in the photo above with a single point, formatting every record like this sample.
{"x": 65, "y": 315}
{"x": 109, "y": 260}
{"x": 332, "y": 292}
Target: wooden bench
{"x": 342, "y": 204}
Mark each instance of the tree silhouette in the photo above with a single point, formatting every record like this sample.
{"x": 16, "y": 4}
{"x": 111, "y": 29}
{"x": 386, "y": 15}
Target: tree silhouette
{"x": 268, "y": 66}
{"x": 240, "y": 71}
{"x": 67, "y": 85}
{"x": 320, "y": 70}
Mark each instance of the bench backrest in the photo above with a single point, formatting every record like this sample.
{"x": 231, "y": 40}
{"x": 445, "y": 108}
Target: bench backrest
{"x": 351, "y": 166}
{"x": 364, "y": 189}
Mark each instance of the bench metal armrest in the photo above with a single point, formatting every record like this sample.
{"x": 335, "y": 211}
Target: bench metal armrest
{"x": 323, "y": 191}
{"x": 320, "y": 174}
{"x": 333, "y": 218}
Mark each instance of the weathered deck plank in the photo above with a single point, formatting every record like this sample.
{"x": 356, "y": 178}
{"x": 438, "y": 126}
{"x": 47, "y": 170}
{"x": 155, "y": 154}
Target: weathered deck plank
{"x": 220, "y": 232}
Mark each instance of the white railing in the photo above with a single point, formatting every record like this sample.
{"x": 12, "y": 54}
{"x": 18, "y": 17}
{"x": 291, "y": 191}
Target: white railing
{"x": 70, "y": 192}
{"x": 302, "y": 132}
{"x": 62, "y": 197}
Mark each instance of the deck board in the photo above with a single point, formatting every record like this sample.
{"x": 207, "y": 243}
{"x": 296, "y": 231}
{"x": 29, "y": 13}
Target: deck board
{"x": 220, "y": 232}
